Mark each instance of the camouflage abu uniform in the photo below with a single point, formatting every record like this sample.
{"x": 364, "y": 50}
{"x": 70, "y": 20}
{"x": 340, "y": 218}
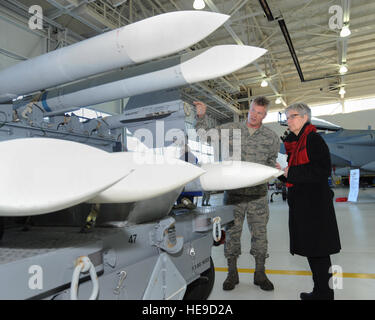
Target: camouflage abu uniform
{"x": 261, "y": 147}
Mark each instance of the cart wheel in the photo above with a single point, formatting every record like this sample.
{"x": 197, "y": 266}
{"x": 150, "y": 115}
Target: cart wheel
{"x": 201, "y": 288}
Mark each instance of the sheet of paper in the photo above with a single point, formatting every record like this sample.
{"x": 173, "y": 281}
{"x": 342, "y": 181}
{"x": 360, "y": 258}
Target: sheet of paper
{"x": 354, "y": 185}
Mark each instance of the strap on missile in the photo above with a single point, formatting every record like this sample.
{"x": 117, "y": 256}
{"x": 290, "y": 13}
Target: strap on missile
{"x": 29, "y": 107}
{"x": 91, "y": 218}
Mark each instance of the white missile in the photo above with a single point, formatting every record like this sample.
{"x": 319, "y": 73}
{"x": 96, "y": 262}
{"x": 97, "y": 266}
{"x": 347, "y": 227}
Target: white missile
{"x": 141, "y": 41}
{"x": 153, "y": 176}
{"x": 42, "y": 175}
{"x": 228, "y": 175}
{"x": 175, "y": 72}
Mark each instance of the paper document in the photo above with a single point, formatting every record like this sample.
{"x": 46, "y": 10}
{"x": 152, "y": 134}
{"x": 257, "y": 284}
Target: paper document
{"x": 354, "y": 185}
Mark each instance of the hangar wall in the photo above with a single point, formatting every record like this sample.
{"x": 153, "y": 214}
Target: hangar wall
{"x": 354, "y": 120}
{"x": 19, "y": 41}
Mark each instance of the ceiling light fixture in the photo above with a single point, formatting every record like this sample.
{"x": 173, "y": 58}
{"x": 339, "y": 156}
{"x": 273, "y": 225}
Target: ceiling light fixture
{"x": 343, "y": 69}
{"x": 342, "y": 92}
{"x": 198, "y": 4}
{"x": 345, "y": 31}
{"x": 264, "y": 83}
{"x": 278, "y": 100}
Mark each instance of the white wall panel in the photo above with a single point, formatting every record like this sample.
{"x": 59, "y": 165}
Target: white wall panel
{"x": 18, "y": 41}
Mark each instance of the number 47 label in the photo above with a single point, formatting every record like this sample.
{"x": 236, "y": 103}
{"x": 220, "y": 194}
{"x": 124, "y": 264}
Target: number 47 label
{"x": 132, "y": 238}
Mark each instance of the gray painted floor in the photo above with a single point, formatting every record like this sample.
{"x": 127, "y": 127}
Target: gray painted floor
{"x": 291, "y": 274}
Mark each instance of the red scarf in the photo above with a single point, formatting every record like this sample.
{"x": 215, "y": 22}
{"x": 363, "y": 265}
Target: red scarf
{"x": 296, "y": 150}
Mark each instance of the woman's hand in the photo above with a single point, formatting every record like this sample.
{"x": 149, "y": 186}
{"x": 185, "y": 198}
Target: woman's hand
{"x": 278, "y": 166}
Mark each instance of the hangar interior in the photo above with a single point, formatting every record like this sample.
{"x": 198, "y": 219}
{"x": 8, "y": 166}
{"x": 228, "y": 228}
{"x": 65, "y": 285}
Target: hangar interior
{"x": 307, "y": 60}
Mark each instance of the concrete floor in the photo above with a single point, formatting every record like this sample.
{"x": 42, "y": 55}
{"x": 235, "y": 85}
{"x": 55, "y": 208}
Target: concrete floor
{"x": 291, "y": 274}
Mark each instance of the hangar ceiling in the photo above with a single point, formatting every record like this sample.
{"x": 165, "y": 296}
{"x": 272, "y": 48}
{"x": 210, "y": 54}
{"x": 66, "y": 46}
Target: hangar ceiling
{"x": 305, "y": 50}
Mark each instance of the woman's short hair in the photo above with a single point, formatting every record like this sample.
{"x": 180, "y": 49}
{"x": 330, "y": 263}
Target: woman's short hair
{"x": 301, "y": 108}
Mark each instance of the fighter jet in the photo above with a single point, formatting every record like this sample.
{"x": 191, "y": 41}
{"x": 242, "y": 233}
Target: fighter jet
{"x": 349, "y": 149}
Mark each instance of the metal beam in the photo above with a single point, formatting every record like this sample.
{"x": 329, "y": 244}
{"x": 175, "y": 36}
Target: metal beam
{"x": 202, "y": 88}
{"x": 75, "y": 16}
{"x": 250, "y": 15}
{"x": 231, "y": 13}
{"x": 12, "y": 55}
{"x": 211, "y": 109}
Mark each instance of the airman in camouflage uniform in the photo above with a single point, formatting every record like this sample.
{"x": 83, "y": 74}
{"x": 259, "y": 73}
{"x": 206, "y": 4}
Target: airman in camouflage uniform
{"x": 261, "y": 145}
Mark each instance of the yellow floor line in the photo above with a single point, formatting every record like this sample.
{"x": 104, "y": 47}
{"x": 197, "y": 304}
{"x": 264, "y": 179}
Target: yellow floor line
{"x": 301, "y": 273}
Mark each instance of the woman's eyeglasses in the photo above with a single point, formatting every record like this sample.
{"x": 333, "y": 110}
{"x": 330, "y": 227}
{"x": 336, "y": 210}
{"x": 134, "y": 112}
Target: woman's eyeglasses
{"x": 292, "y": 116}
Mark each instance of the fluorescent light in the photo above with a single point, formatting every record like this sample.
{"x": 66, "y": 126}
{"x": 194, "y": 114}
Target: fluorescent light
{"x": 342, "y": 92}
{"x": 345, "y": 31}
{"x": 264, "y": 83}
{"x": 199, "y": 4}
{"x": 343, "y": 69}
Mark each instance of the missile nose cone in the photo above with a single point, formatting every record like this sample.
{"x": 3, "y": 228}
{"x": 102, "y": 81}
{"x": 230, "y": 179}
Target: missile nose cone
{"x": 219, "y": 61}
{"x": 278, "y": 173}
{"x": 180, "y": 28}
{"x": 228, "y": 175}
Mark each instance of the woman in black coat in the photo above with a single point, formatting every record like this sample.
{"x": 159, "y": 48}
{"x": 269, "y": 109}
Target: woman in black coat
{"x": 312, "y": 221}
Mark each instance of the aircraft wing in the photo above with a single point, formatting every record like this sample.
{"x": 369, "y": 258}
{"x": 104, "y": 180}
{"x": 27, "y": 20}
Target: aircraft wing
{"x": 369, "y": 166}
{"x": 364, "y": 139}
{"x": 324, "y": 125}
{"x": 339, "y": 161}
